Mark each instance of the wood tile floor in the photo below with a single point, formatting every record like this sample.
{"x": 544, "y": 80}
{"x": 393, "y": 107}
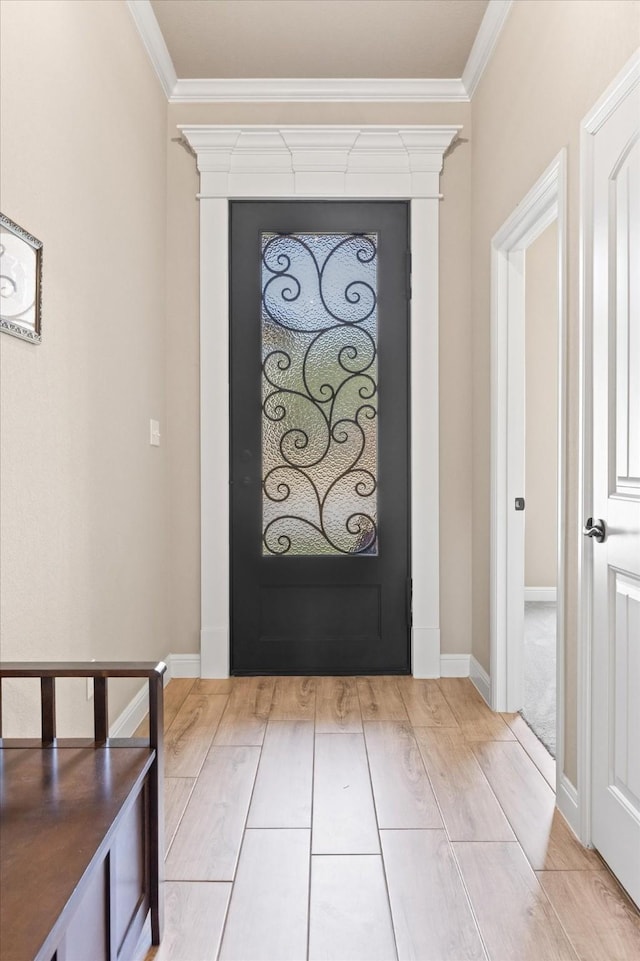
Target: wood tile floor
{"x": 364, "y": 818}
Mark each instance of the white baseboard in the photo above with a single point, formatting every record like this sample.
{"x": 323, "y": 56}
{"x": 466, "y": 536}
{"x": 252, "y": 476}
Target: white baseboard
{"x": 178, "y": 665}
{"x": 547, "y": 595}
{"x": 455, "y": 665}
{"x": 567, "y": 802}
{"x": 480, "y": 679}
{"x": 144, "y": 942}
{"x": 133, "y": 714}
{"x": 185, "y": 665}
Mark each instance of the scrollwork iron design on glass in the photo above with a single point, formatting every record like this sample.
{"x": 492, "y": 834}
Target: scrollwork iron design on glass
{"x": 319, "y": 398}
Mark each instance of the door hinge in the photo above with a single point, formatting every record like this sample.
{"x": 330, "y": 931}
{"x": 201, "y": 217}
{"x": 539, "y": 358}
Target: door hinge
{"x": 408, "y": 274}
{"x": 410, "y": 601}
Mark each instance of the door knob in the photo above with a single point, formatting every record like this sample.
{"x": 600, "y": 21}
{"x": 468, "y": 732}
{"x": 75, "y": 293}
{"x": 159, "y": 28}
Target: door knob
{"x": 595, "y": 528}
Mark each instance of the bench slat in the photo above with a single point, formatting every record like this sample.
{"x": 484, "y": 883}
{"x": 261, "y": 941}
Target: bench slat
{"x": 48, "y": 709}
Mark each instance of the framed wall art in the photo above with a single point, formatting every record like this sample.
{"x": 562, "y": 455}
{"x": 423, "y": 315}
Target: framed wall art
{"x": 20, "y": 282}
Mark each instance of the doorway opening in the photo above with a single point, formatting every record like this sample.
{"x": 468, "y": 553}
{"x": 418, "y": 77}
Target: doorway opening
{"x": 307, "y": 162}
{"x": 541, "y": 486}
{"x": 528, "y": 415}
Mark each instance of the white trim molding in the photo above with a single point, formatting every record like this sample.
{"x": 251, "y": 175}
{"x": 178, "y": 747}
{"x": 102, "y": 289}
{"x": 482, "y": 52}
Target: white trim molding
{"x": 324, "y": 90}
{"x": 185, "y": 665}
{"x": 154, "y": 43}
{"x": 455, "y": 665}
{"x": 319, "y": 161}
{"x": 319, "y": 89}
{"x": 490, "y": 29}
{"x": 545, "y": 202}
{"x": 133, "y": 714}
{"x": 567, "y": 802}
{"x": 480, "y": 679}
{"x": 178, "y": 665}
{"x": 541, "y": 595}
{"x": 623, "y": 85}
{"x": 306, "y": 162}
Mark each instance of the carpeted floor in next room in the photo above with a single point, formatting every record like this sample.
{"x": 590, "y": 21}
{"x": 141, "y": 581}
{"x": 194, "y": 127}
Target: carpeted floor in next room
{"x": 539, "y": 709}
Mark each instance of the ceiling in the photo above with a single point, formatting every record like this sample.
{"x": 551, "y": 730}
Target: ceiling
{"x": 319, "y": 38}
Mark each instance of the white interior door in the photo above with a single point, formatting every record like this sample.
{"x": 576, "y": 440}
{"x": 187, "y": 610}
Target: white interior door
{"x": 614, "y": 262}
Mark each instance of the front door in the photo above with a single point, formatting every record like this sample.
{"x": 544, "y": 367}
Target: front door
{"x": 614, "y": 264}
{"x": 319, "y": 437}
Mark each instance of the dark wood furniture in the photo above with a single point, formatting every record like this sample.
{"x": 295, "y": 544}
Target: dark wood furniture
{"x": 81, "y": 849}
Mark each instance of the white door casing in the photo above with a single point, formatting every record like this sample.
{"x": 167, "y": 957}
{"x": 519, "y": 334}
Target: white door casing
{"x": 544, "y": 203}
{"x": 312, "y": 162}
{"x": 610, "y": 682}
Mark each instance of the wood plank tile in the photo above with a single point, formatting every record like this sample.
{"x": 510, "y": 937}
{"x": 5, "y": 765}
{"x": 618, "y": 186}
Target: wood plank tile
{"x": 402, "y": 794}
{"x": 175, "y": 693}
{"x": 282, "y": 793}
{"x": 267, "y": 918}
{"x": 207, "y": 842}
{"x": 349, "y": 911}
{"x": 194, "y": 918}
{"x": 515, "y": 918}
{"x": 142, "y": 729}
{"x": 529, "y": 804}
{"x": 380, "y": 699}
{"x": 344, "y": 819}
{"x": 534, "y": 748}
{"x": 245, "y": 719}
{"x": 431, "y": 914}
{"x": 177, "y": 791}
{"x": 597, "y": 916}
{"x": 477, "y": 721}
{"x": 212, "y": 685}
{"x": 425, "y": 703}
{"x": 294, "y": 699}
{"x": 468, "y": 805}
{"x": 337, "y": 706}
{"x": 191, "y": 733}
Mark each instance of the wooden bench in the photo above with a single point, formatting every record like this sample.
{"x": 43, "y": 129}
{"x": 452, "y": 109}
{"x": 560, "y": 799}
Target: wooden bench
{"x": 81, "y": 845}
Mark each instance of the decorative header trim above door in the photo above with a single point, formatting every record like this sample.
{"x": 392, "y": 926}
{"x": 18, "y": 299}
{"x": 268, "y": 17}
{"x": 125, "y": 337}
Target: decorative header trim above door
{"x": 297, "y": 161}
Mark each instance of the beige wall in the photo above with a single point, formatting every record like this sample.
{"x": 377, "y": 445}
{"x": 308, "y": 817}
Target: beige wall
{"x": 90, "y": 568}
{"x": 83, "y": 494}
{"x": 455, "y": 353}
{"x": 541, "y": 404}
{"x": 551, "y": 63}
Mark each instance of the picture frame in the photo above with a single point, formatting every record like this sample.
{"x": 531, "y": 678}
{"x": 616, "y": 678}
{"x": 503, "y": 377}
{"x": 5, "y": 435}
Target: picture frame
{"x": 20, "y": 282}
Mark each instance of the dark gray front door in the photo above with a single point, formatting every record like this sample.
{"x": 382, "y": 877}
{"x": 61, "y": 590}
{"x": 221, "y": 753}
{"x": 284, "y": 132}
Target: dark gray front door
{"x": 319, "y": 437}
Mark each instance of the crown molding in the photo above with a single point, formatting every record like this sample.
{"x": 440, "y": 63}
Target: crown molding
{"x": 153, "y": 40}
{"x": 326, "y": 90}
{"x": 318, "y": 90}
{"x": 395, "y": 161}
{"x": 492, "y": 23}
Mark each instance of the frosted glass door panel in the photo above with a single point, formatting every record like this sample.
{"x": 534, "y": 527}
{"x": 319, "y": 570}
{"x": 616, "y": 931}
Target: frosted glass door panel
{"x": 319, "y": 394}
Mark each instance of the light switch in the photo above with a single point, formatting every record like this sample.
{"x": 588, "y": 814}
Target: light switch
{"x": 154, "y": 433}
